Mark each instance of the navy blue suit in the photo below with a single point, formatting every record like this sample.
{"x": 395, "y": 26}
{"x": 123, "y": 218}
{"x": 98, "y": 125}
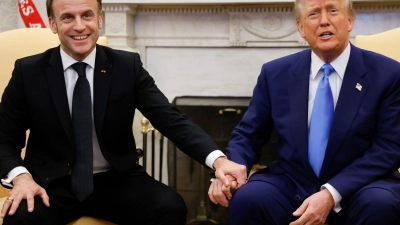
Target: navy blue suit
{"x": 364, "y": 141}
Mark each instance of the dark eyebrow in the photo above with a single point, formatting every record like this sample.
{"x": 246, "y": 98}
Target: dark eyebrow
{"x": 88, "y": 11}
{"x": 65, "y": 14}
{"x": 69, "y": 14}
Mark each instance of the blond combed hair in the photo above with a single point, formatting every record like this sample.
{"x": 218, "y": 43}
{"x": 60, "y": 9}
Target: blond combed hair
{"x": 298, "y": 7}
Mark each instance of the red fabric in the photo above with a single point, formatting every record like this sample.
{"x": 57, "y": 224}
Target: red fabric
{"x": 29, "y": 14}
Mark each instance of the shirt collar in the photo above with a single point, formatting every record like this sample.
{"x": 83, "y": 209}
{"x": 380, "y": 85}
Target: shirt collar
{"x": 67, "y": 60}
{"x": 339, "y": 64}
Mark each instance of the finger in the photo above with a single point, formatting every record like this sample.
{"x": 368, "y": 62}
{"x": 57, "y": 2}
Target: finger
{"x": 221, "y": 198}
{"x": 14, "y": 206}
{"x": 234, "y": 185}
{"x": 210, "y": 193}
{"x": 215, "y": 194}
{"x": 241, "y": 176}
{"x": 219, "y": 195}
{"x": 299, "y": 211}
{"x": 221, "y": 176}
{"x": 227, "y": 192}
{"x": 300, "y": 221}
{"x": 6, "y": 206}
{"x": 30, "y": 202}
{"x": 232, "y": 182}
{"x": 45, "y": 197}
{"x": 296, "y": 222}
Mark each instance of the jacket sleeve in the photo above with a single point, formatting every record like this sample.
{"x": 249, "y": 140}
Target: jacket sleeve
{"x": 13, "y": 122}
{"x": 152, "y": 103}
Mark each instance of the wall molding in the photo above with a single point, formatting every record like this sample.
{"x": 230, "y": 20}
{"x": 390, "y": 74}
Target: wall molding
{"x": 254, "y": 8}
{"x": 128, "y": 8}
{"x": 395, "y": 7}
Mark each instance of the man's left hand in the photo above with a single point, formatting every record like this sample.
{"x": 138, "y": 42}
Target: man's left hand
{"x": 224, "y": 166}
{"x": 219, "y": 193}
{"x": 315, "y": 209}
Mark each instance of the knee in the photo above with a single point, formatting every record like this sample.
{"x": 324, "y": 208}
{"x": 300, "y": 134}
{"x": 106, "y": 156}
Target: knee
{"x": 171, "y": 209}
{"x": 40, "y": 214}
{"x": 374, "y": 205}
{"x": 260, "y": 203}
{"x": 243, "y": 204}
{"x": 174, "y": 204}
{"x": 378, "y": 199}
{"x": 255, "y": 195}
{"x": 245, "y": 196}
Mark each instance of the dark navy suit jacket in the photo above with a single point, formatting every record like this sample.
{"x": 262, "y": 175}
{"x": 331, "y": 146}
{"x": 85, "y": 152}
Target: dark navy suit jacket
{"x": 364, "y": 140}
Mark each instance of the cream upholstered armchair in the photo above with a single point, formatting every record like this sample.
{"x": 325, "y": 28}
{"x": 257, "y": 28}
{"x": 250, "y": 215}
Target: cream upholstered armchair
{"x": 23, "y": 42}
{"x": 386, "y": 43}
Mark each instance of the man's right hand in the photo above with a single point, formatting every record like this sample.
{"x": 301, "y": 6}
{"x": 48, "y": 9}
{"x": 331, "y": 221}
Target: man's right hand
{"x": 24, "y": 188}
{"x": 224, "y": 167}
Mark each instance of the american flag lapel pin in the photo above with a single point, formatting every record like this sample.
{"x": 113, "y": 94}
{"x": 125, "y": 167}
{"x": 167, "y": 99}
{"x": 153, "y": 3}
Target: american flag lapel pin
{"x": 359, "y": 87}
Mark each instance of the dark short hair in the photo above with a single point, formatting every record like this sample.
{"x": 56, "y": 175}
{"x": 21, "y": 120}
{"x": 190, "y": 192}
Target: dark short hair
{"x": 347, "y": 4}
{"x": 50, "y": 11}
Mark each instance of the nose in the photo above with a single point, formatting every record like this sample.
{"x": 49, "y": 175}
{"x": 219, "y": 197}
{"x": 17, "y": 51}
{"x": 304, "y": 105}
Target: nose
{"x": 324, "y": 18}
{"x": 79, "y": 24}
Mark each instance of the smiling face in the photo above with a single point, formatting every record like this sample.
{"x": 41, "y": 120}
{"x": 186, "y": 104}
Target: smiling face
{"x": 326, "y": 25}
{"x": 78, "y": 24}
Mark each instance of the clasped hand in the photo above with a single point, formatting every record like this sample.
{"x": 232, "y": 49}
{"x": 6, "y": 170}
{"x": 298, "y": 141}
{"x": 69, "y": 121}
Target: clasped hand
{"x": 229, "y": 177}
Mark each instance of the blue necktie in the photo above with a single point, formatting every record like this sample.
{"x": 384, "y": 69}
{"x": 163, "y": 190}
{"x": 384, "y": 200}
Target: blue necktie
{"x": 321, "y": 118}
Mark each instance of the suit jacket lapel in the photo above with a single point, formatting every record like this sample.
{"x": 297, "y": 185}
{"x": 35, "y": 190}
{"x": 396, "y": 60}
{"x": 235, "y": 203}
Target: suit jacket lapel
{"x": 298, "y": 95}
{"x": 56, "y": 81}
{"x": 101, "y": 84}
{"x": 348, "y": 104}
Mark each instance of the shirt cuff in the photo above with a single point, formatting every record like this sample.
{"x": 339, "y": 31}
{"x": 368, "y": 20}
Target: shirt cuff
{"x": 212, "y": 157}
{"x": 336, "y": 196}
{"x": 6, "y": 181}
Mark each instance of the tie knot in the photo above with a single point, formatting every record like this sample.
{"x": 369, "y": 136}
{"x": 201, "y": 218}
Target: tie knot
{"x": 80, "y": 68}
{"x": 327, "y": 68}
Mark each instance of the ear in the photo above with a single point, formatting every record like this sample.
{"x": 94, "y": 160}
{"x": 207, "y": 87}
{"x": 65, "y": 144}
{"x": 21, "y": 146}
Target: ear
{"x": 300, "y": 28}
{"x": 53, "y": 25}
{"x": 351, "y": 23}
{"x": 100, "y": 20}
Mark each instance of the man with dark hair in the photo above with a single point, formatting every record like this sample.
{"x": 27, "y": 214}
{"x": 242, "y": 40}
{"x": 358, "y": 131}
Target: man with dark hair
{"x": 336, "y": 109}
{"x": 79, "y": 100}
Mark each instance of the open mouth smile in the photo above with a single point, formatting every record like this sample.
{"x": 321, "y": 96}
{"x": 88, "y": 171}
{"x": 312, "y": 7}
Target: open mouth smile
{"x": 326, "y": 34}
{"x": 83, "y": 37}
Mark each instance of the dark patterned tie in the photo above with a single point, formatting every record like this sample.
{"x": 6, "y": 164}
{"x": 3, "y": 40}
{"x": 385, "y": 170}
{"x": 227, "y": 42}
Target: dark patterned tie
{"x": 82, "y": 171}
{"x": 321, "y": 119}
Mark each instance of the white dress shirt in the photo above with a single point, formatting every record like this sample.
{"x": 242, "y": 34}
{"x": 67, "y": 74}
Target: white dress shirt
{"x": 335, "y": 81}
{"x": 100, "y": 164}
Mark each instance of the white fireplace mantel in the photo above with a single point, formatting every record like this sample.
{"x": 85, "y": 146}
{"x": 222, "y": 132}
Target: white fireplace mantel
{"x": 136, "y": 25}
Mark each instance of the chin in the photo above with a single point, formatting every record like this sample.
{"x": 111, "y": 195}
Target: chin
{"x": 327, "y": 47}
{"x": 82, "y": 49}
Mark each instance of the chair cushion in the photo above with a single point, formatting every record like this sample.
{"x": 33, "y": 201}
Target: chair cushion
{"x": 386, "y": 43}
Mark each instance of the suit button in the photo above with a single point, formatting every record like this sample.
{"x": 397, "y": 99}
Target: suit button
{"x": 47, "y": 179}
{"x": 297, "y": 197}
